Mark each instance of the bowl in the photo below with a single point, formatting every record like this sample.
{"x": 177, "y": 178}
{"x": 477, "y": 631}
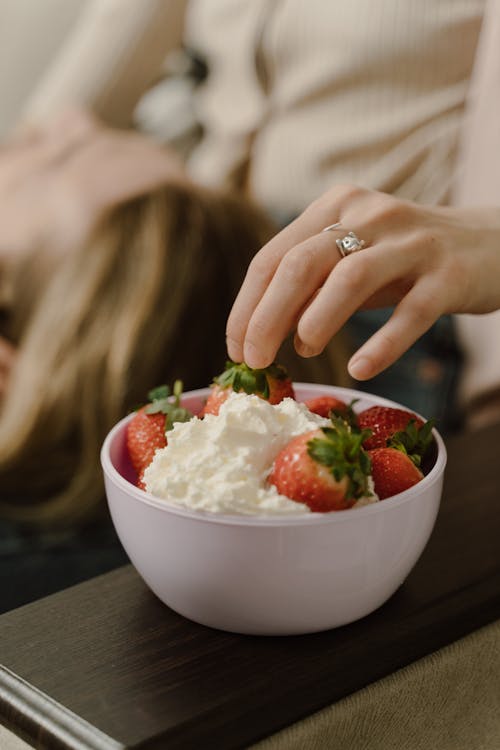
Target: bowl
{"x": 271, "y": 575}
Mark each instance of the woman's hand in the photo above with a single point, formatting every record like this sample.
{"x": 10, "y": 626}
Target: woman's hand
{"x": 426, "y": 261}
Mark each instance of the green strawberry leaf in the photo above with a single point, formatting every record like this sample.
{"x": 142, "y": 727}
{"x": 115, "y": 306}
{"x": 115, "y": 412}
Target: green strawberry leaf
{"x": 342, "y": 452}
{"x": 412, "y": 441}
{"x": 168, "y": 405}
{"x": 158, "y": 393}
{"x": 348, "y": 415}
{"x": 240, "y": 377}
{"x": 278, "y": 372}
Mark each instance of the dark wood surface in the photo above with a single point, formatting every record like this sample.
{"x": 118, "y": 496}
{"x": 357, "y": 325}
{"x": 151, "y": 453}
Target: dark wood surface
{"x": 106, "y": 665}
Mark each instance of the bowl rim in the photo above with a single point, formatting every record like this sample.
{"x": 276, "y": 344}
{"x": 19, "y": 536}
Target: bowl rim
{"x": 298, "y": 519}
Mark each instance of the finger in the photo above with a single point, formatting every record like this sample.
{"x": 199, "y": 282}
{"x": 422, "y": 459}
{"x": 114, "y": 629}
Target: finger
{"x": 353, "y": 281}
{"x": 297, "y": 279}
{"x": 414, "y": 315}
{"x": 262, "y": 269}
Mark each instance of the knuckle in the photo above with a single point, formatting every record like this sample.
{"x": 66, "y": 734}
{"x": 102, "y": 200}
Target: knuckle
{"x": 388, "y": 343}
{"x": 348, "y": 191}
{"x": 259, "y": 267}
{"x": 257, "y": 330}
{"x": 389, "y": 210}
{"x": 331, "y": 202}
{"x": 456, "y": 278}
{"x": 352, "y": 273}
{"x": 297, "y": 264}
{"x": 425, "y": 307}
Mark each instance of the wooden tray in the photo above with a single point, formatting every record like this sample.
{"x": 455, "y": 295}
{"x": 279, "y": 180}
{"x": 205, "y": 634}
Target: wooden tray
{"x": 104, "y": 665}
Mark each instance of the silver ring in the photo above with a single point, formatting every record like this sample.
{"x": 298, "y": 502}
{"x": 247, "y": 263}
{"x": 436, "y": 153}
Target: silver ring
{"x": 349, "y": 244}
{"x": 332, "y": 227}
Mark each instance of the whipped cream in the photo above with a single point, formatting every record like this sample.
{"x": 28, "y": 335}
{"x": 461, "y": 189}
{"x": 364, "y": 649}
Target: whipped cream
{"x": 220, "y": 463}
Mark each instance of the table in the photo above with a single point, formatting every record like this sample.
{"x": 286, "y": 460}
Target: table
{"x": 105, "y": 666}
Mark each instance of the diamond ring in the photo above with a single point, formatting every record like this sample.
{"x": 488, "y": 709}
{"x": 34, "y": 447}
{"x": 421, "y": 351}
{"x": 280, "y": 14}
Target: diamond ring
{"x": 348, "y": 244}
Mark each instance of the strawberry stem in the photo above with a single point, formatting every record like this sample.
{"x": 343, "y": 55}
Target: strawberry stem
{"x": 412, "y": 441}
{"x": 170, "y": 405}
{"x": 342, "y": 452}
{"x": 241, "y": 377}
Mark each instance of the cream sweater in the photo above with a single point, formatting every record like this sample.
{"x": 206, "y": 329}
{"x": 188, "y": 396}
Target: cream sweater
{"x": 302, "y": 95}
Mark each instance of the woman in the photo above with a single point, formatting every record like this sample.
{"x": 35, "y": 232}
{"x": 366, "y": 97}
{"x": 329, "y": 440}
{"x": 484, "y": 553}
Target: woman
{"x": 119, "y": 277}
{"x": 116, "y": 274}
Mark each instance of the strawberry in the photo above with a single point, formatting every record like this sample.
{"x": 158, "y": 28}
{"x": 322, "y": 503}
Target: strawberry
{"x": 272, "y": 384}
{"x": 396, "y": 466}
{"x": 323, "y": 405}
{"x": 146, "y": 431}
{"x": 393, "y": 471}
{"x": 384, "y": 422}
{"x": 327, "y": 469}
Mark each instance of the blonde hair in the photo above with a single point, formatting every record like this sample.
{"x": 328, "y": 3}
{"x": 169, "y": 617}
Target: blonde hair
{"x": 144, "y": 302}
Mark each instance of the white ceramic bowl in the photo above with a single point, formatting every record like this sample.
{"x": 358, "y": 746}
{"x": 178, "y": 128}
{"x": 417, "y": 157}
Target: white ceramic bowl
{"x": 271, "y": 575}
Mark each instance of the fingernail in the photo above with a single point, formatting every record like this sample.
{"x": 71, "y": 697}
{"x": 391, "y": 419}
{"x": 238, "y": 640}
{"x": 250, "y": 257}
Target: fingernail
{"x": 360, "y": 368}
{"x": 306, "y": 351}
{"x": 234, "y": 350}
{"x": 253, "y": 357}
{"x": 303, "y": 349}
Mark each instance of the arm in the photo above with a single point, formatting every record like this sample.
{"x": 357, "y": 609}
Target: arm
{"x": 479, "y": 183}
{"x": 114, "y": 53}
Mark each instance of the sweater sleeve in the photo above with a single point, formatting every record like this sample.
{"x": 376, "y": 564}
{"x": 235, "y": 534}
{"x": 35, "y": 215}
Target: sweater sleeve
{"x": 113, "y": 54}
{"x": 479, "y": 183}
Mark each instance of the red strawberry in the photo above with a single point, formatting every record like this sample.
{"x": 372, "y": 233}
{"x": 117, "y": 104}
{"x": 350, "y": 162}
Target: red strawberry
{"x": 146, "y": 431}
{"x": 323, "y": 405}
{"x": 327, "y": 469}
{"x": 384, "y": 422}
{"x": 272, "y": 384}
{"x": 393, "y": 471}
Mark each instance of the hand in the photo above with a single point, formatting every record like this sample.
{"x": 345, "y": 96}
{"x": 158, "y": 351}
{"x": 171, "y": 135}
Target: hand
{"x": 426, "y": 261}
{"x": 57, "y": 181}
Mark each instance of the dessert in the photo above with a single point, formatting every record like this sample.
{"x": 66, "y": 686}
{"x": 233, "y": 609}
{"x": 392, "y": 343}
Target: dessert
{"x": 255, "y": 450}
{"x": 220, "y": 463}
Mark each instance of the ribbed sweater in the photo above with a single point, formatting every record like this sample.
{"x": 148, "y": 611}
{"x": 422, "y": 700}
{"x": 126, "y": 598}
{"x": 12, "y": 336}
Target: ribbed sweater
{"x": 303, "y": 95}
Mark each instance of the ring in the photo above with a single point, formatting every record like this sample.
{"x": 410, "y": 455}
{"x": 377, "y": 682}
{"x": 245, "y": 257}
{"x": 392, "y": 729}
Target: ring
{"x": 332, "y": 227}
{"x": 349, "y": 244}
